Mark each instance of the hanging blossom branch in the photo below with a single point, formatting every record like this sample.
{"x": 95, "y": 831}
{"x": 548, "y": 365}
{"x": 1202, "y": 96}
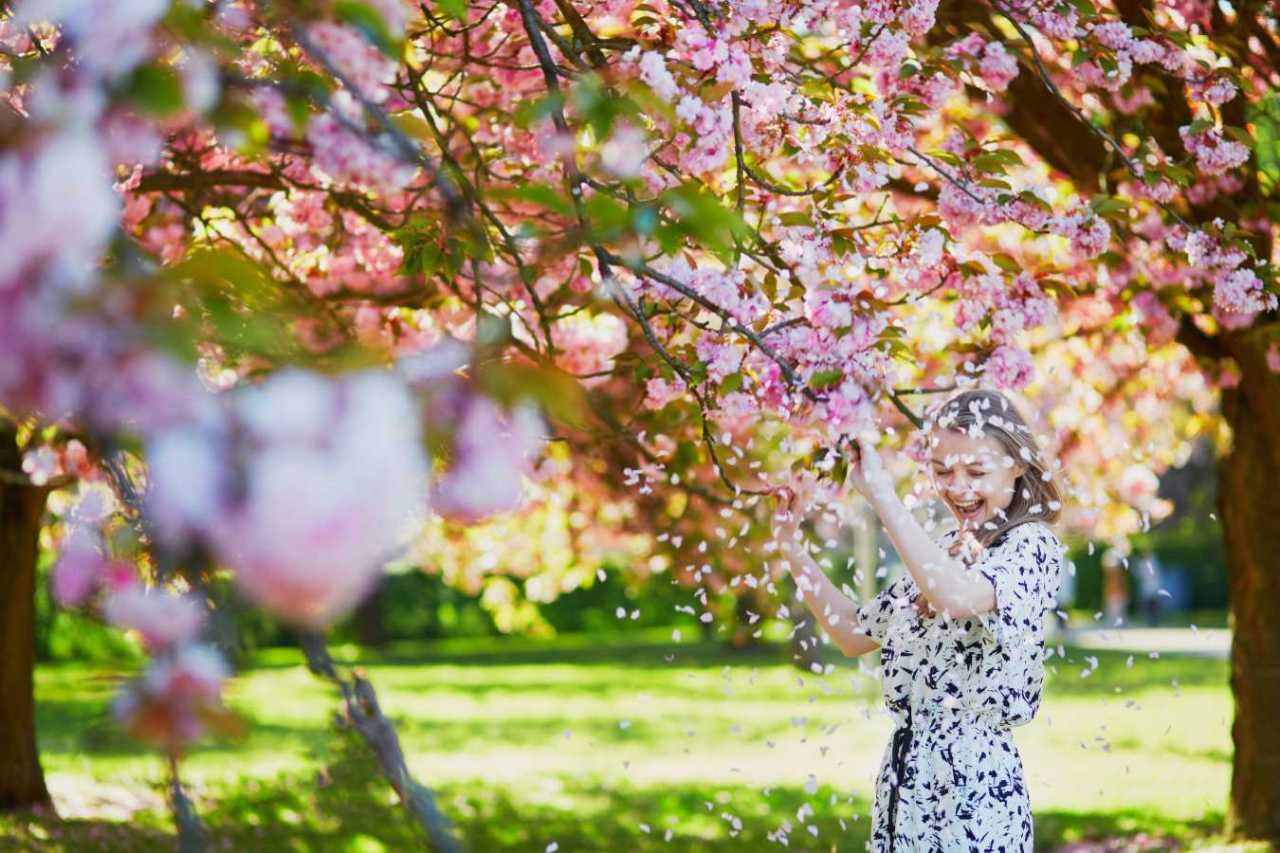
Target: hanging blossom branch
{"x": 363, "y": 712}
{"x": 455, "y": 204}
{"x": 192, "y": 837}
{"x": 1043, "y": 74}
{"x": 605, "y": 259}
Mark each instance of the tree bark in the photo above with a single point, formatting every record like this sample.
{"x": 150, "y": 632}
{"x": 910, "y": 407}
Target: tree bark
{"x": 22, "y": 784}
{"x": 1249, "y": 506}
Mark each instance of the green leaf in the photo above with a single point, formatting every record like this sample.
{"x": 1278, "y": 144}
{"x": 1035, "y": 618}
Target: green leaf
{"x": 156, "y": 89}
{"x": 1265, "y": 118}
{"x": 1179, "y": 175}
{"x": 796, "y": 217}
{"x": 702, "y": 218}
{"x": 1239, "y": 134}
{"x": 995, "y": 161}
{"x": 1006, "y": 263}
{"x": 529, "y": 113}
{"x": 370, "y": 23}
{"x": 543, "y": 195}
{"x": 1110, "y": 207}
{"x": 456, "y": 9}
{"x": 826, "y": 378}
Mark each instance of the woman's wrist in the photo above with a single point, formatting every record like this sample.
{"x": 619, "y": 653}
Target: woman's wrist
{"x": 882, "y": 497}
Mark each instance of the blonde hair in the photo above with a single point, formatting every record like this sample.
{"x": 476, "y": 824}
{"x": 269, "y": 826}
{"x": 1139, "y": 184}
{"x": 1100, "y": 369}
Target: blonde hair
{"x": 983, "y": 412}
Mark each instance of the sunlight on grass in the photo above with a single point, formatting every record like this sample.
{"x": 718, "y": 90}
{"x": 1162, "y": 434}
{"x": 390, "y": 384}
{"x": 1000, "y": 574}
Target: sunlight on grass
{"x": 617, "y": 745}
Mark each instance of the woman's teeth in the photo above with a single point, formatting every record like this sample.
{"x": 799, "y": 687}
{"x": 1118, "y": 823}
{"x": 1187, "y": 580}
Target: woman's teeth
{"x": 969, "y": 508}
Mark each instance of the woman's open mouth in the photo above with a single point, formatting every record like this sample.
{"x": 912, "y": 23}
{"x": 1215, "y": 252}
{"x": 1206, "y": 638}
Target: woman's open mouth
{"x": 970, "y": 511}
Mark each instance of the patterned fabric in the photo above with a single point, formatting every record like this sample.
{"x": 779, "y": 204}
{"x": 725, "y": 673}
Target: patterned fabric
{"x": 952, "y": 776}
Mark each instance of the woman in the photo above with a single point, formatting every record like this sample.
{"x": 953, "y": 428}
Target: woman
{"x": 961, "y": 633}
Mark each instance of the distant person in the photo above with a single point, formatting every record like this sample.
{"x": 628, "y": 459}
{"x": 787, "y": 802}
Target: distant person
{"x": 1150, "y": 580}
{"x": 1115, "y": 588}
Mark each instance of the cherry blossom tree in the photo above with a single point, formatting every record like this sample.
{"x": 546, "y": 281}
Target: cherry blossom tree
{"x": 287, "y": 278}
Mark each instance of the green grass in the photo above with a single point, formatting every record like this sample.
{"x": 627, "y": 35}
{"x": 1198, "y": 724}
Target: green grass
{"x": 611, "y": 743}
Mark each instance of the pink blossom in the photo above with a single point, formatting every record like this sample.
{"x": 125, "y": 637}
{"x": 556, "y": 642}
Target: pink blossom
{"x": 587, "y": 344}
{"x": 625, "y": 152}
{"x": 659, "y": 392}
{"x": 889, "y": 49}
{"x": 998, "y": 67}
{"x": 79, "y": 570}
{"x": 161, "y": 619}
{"x": 1273, "y": 358}
{"x": 1089, "y": 234}
{"x": 1214, "y": 153}
{"x": 848, "y": 409}
{"x": 1138, "y": 486}
{"x": 1009, "y": 367}
{"x": 348, "y": 159}
{"x": 1215, "y": 90}
{"x": 653, "y": 71}
{"x": 969, "y": 313}
{"x": 1160, "y": 325}
{"x": 199, "y": 73}
{"x": 294, "y": 518}
{"x": 493, "y": 452}
{"x": 177, "y": 699}
{"x": 918, "y": 17}
{"x": 110, "y": 36}
{"x": 67, "y": 212}
{"x": 824, "y": 309}
{"x": 1241, "y": 291}
{"x": 367, "y": 68}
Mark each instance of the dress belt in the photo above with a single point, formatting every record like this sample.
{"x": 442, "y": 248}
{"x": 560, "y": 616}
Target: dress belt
{"x": 902, "y": 738}
{"x": 898, "y": 765}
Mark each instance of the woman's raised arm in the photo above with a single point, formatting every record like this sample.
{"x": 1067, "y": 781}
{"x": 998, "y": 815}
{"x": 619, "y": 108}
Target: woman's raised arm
{"x": 835, "y": 611}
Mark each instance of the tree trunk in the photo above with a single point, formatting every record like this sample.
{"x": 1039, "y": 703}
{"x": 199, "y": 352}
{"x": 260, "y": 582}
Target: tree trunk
{"x": 1249, "y": 505}
{"x": 21, "y": 509}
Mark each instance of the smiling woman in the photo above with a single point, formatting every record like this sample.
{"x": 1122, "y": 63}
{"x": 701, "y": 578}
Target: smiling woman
{"x": 986, "y": 466}
{"x": 961, "y": 634}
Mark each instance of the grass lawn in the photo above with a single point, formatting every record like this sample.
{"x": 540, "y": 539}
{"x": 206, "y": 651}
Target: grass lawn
{"x": 631, "y": 743}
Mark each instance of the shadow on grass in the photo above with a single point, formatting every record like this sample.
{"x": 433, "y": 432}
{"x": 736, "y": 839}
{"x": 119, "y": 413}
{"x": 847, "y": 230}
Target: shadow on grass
{"x": 348, "y": 807}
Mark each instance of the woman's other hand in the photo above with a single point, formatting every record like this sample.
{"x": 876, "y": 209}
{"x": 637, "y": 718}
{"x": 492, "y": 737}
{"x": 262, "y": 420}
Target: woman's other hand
{"x": 794, "y": 500}
{"x": 867, "y": 472}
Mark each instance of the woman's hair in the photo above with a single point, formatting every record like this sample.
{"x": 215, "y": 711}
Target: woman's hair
{"x": 979, "y": 412}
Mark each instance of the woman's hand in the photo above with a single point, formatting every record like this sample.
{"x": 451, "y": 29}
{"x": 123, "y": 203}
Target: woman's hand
{"x": 867, "y": 473}
{"x": 794, "y": 500}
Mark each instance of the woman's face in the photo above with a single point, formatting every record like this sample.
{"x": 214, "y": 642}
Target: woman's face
{"x": 974, "y": 476}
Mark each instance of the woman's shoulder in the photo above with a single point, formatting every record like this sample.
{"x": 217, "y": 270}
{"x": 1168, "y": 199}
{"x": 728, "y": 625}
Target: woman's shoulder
{"x": 1032, "y": 532}
{"x": 1035, "y": 529}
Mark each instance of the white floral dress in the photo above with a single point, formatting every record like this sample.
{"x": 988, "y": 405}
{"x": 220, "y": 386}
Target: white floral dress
{"x": 951, "y": 778}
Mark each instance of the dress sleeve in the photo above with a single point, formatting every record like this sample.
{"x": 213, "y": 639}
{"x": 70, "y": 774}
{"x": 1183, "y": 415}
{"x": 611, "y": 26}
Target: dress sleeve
{"x": 1025, "y": 571}
{"x": 876, "y": 614}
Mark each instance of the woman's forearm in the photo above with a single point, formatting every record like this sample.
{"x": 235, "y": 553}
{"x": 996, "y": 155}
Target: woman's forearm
{"x": 943, "y": 580}
{"x": 835, "y": 611}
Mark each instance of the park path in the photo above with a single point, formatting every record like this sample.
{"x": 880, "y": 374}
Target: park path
{"x": 1208, "y": 642}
